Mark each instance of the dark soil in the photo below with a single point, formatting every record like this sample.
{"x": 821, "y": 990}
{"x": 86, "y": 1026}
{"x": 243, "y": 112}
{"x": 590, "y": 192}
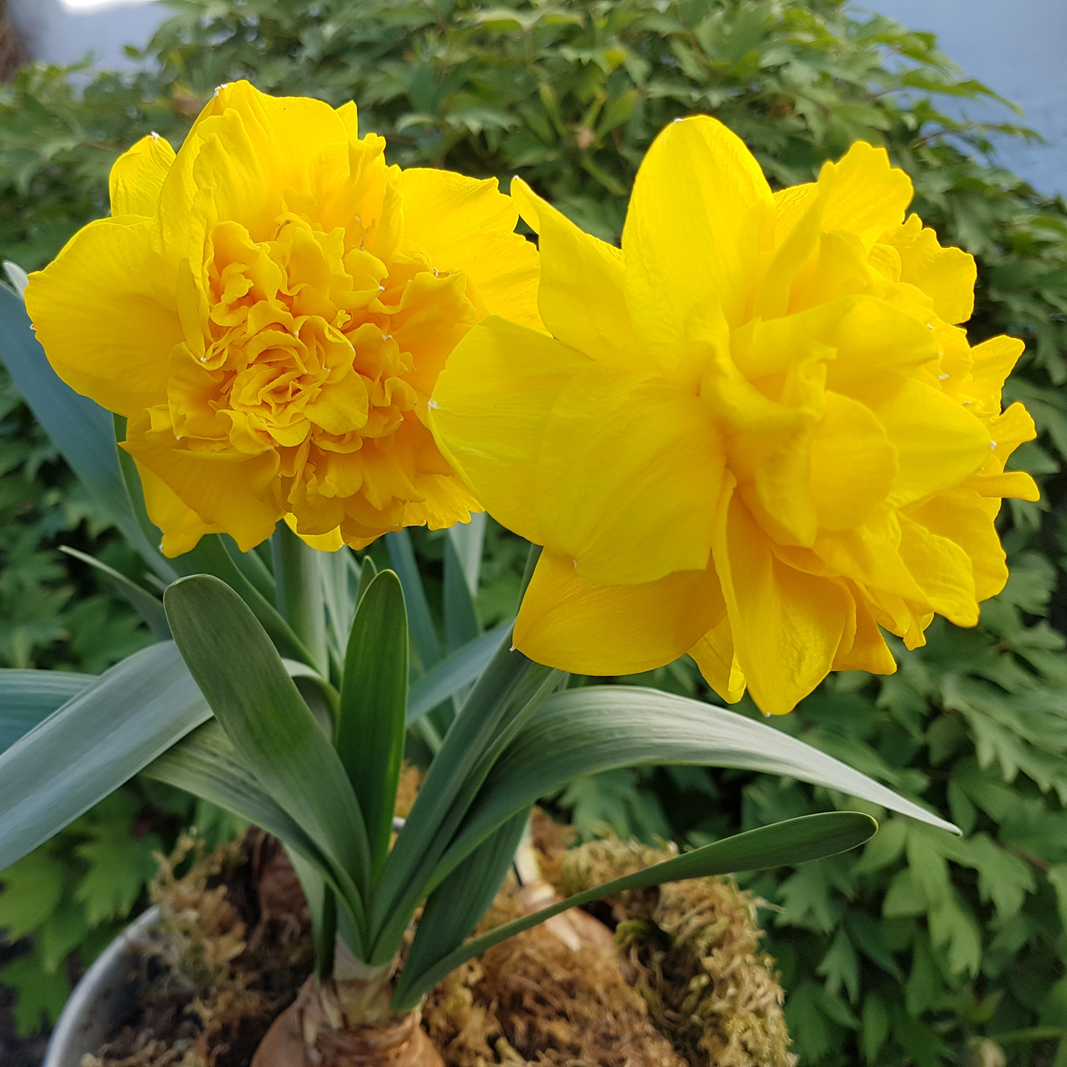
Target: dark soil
{"x": 234, "y": 947}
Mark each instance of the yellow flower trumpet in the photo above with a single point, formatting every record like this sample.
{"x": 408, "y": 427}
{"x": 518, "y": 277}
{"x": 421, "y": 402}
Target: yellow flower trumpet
{"x": 757, "y": 433}
{"x": 270, "y": 310}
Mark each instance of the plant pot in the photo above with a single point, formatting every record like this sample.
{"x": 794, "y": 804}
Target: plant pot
{"x": 104, "y": 997}
{"x": 490, "y": 1000}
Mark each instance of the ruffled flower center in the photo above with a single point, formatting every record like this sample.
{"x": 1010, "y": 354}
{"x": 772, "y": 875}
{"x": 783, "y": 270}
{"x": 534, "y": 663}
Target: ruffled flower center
{"x": 299, "y": 344}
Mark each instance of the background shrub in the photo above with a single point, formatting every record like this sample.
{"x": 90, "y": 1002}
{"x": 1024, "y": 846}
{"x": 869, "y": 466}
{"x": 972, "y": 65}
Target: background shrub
{"x": 924, "y": 949}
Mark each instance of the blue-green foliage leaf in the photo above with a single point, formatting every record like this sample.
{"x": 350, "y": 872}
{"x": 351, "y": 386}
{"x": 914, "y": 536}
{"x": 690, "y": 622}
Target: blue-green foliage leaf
{"x": 423, "y": 632}
{"x": 271, "y": 728}
{"x": 453, "y": 673}
{"x": 92, "y": 744}
{"x": 149, "y": 607}
{"x": 28, "y": 697}
{"x": 370, "y": 724}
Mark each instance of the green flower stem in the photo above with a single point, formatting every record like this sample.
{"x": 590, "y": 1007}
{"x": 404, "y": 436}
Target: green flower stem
{"x": 298, "y": 577}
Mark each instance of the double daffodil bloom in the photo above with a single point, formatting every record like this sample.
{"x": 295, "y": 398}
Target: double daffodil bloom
{"x": 757, "y": 433}
{"x": 270, "y": 310}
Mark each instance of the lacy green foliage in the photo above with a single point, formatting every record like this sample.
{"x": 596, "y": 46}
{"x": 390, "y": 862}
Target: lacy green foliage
{"x": 926, "y": 947}
{"x": 73, "y": 895}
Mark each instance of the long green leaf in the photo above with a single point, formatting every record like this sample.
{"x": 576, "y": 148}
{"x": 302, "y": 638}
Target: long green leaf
{"x": 468, "y": 541}
{"x": 423, "y": 634}
{"x": 211, "y": 556}
{"x": 599, "y": 728}
{"x": 82, "y": 431}
{"x": 461, "y": 620}
{"x": 454, "y": 672}
{"x": 509, "y": 688}
{"x": 245, "y": 681}
{"x": 149, "y": 607}
{"x": 298, "y": 583}
{"x": 94, "y": 743}
{"x": 374, "y": 690}
{"x": 790, "y": 842}
{"x": 341, "y": 575}
{"x": 456, "y": 906}
{"x": 251, "y": 565}
{"x": 206, "y": 764}
{"x": 322, "y": 909}
{"x": 28, "y": 697}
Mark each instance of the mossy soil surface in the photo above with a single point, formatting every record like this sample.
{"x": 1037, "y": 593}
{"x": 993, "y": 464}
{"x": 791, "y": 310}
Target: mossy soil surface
{"x": 685, "y": 983}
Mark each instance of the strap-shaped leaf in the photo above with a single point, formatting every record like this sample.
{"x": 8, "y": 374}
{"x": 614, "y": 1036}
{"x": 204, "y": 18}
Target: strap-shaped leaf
{"x": 599, "y": 728}
{"x": 149, "y": 607}
{"x": 28, "y": 697}
{"x": 274, "y": 733}
{"x": 322, "y": 910}
{"x": 251, "y": 565}
{"x": 341, "y": 574}
{"x": 790, "y": 842}
{"x": 423, "y": 634}
{"x": 298, "y": 582}
{"x": 206, "y": 765}
{"x": 82, "y": 431}
{"x": 92, "y": 744}
{"x": 468, "y": 541}
{"x": 454, "y": 672}
{"x": 509, "y": 688}
{"x": 455, "y": 907}
{"x": 212, "y": 556}
{"x": 461, "y": 620}
{"x": 374, "y": 690}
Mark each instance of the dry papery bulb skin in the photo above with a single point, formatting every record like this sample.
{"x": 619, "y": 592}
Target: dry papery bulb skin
{"x": 315, "y": 1031}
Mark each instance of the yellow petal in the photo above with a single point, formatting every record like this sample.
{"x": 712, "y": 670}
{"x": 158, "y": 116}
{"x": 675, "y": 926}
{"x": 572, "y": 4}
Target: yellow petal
{"x": 469, "y": 226}
{"x": 227, "y": 490}
{"x": 573, "y": 625}
{"x": 868, "y": 335}
{"x": 245, "y": 151}
{"x": 714, "y": 655}
{"x": 446, "y": 501}
{"x": 489, "y": 412}
{"x": 628, "y": 477}
{"x": 992, "y": 362}
{"x": 328, "y": 542}
{"x": 866, "y": 194}
{"x": 867, "y": 651}
{"x": 798, "y": 234}
{"x": 1017, "y": 484}
{"x": 787, "y": 626}
{"x": 581, "y": 295}
{"x": 104, "y": 310}
{"x": 938, "y": 443}
{"x": 838, "y": 268}
{"x": 947, "y": 275}
{"x": 942, "y": 570}
{"x": 137, "y": 176}
{"x": 342, "y": 405}
{"x": 870, "y": 556}
{"x": 699, "y": 208}
{"x": 965, "y": 518}
{"x": 853, "y": 465}
{"x": 182, "y": 527}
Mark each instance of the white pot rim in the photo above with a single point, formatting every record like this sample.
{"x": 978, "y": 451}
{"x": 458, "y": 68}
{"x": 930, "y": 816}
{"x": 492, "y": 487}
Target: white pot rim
{"x": 102, "y": 997}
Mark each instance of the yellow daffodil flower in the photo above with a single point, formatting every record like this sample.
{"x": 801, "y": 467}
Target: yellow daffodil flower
{"x": 757, "y": 432}
{"x": 270, "y": 310}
